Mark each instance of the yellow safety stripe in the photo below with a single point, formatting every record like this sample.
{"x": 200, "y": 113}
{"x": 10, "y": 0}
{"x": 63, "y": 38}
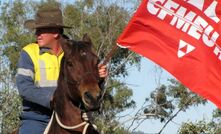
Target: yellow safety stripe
{"x": 46, "y": 66}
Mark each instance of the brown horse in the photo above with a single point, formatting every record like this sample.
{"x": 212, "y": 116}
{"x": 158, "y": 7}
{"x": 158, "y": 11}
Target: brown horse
{"x": 78, "y": 89}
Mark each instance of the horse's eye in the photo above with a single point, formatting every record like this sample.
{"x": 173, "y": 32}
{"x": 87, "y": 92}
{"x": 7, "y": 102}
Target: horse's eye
{"x": 83, "y": 53}
{"x": 69, "y": 63}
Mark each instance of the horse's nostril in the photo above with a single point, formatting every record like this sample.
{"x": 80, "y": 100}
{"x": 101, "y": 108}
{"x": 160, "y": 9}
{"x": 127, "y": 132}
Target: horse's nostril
{"x": 88, "y": 96}
{"x": 91, "y": 102}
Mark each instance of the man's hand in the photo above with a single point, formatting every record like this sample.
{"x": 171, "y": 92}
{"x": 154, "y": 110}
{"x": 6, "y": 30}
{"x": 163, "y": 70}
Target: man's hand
{"x": 102, "y": 70}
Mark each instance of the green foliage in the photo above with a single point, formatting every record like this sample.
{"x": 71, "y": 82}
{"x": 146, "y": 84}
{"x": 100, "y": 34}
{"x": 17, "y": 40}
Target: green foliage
{"x": 203, "y": 127}
{"x": 218, "y": 130}
{"x": 216, "y": 122}
{"x": 200, "y": 127}
{"x": 14, "y": 36}
{"x": 102, "y": 22}
{"x": 217, "y": 113}
{"x": 166, "y": 102}
{"x": 117, "y": 99}
{"x": 9, "y": 110}
{"x": 159, "y": 104}
{"x": 184, "y": 97}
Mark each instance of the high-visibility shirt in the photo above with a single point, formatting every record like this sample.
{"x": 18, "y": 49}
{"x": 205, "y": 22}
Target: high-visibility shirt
{"x": 37, "y": 74}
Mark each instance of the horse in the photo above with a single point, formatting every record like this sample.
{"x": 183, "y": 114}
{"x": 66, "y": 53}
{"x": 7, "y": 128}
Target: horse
{"x": 78, "y": 89}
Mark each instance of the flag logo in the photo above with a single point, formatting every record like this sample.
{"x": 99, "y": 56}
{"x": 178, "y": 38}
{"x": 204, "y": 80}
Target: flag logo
{"x": 184, "y": 48}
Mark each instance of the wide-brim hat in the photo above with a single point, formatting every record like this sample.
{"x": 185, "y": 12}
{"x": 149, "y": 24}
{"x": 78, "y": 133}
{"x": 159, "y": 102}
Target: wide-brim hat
{"x": 46, "y": 18}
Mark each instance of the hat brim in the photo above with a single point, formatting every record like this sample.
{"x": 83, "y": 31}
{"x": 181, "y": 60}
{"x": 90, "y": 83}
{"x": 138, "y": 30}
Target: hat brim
{"x": 31, "y": 24}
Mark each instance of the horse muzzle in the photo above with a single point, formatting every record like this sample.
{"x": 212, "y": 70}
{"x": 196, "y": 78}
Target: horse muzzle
{"x": 91, "y": 102}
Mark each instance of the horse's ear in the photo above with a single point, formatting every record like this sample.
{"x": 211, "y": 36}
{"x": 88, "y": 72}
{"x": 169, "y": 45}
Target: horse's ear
{"x": 87, "y": 39}
{"x": 65, "y": 44}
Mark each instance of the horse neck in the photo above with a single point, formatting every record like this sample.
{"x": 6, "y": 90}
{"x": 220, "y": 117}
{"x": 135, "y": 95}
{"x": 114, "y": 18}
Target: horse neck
{"x": 68, "y": 113}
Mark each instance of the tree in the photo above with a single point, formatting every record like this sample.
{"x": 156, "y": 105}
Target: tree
{"x": 200, "y": 127}
{"x": 103, "y": 22}
{"x": 165, "y": 103}
{"x": 13, "y": 37}
{"x": 9, "y": 100}
{"x": 10, "y": 105}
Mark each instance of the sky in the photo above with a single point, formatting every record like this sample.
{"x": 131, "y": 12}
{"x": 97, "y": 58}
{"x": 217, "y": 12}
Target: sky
{"x": 143, "y": 82}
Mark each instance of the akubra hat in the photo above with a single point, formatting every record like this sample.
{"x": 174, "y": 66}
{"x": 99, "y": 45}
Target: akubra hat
{"x": 46, "y": 18}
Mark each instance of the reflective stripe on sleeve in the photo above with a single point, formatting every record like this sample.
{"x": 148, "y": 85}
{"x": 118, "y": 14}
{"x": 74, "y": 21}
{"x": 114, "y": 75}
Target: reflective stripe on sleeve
{"x": 47, "y": 83}
{"x": 25, "y": 72}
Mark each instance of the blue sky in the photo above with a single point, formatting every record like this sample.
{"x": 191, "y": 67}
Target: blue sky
{"x": 143, "y": 82}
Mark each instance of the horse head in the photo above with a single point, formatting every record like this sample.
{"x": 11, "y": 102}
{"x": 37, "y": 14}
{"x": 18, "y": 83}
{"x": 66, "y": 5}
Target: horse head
{"x": 80, "y": 71}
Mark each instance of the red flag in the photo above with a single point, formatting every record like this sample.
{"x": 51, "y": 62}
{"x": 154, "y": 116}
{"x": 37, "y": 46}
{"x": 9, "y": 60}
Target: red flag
{"x": 182, "y": 36}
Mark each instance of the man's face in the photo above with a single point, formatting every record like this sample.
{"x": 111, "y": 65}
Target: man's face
{"x": 46, "y": 37}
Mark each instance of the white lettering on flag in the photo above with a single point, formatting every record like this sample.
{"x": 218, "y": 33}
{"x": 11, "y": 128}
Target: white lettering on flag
{"x": 197, "y": 3}
{"x": 211, "y": 12}
{"x": 188, "y": 21}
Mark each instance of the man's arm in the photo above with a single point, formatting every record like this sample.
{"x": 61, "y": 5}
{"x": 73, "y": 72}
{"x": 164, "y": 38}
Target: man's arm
{"x": 25, "y": 83}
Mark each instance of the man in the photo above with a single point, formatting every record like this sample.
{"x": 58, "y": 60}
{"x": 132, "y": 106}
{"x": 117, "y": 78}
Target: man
{"x": 38, "y": 70}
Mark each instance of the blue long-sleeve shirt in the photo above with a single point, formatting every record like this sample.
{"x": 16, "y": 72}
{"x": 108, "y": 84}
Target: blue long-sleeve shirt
{"x": 25, "y": 83}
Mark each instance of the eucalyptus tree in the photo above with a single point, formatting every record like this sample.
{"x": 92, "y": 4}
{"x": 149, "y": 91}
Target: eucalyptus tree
{"x": 101, "y": 20}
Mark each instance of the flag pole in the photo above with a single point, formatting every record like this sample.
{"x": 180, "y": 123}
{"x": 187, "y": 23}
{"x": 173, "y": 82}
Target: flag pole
{"x": 110, "y": 54}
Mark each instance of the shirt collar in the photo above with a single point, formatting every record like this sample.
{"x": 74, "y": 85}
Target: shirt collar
{"x": 44, "y": 50}
{"x": 47, "y": 50}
